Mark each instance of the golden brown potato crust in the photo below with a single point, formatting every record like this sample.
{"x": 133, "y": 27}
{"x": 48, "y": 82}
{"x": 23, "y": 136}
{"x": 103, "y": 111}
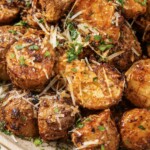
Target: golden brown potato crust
{"x": 100, "y": 15}
{"x": 19, "y": 115}
{"x": 138, "y": 83}
{"x": 54, "y": 9}
{"x": 55, "y": 117}
{"x": 99, "y": 88}
{"x": 96, "y": 132}
{"x": 129, "y": 47}
{"x": 32, "y": 62}
{"x": 133, "y": 8}
{"x": 135, "y": 129}
{"x": 8, "y": 12}
{"x": 8, "y": 35}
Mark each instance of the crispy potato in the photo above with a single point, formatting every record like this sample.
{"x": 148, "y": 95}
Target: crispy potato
{"x": 30, "y": 61}
{"x": 135, "y": 129}
{"x": 50, "y": 10}
{"x": 129, "y": 47}
{"x": 19, "y": 114}
{"x": 99, "y": 87}
{"x": 134, "y": 8}
{"x": 8, "y": 35}
{"x": 54, "y": 9}
{"x": 142, "y": 24}
{"x": 8, "y": 12}
{"x": 55, "y": 117}
{"x": 96, "y": 132}
{"x": 138, "y": 83}
{"x": 101, "y": 15}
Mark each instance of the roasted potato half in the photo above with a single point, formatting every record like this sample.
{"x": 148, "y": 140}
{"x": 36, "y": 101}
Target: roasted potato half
{"x": 135, "y": 129}
{"x": 20, "y": 116}
{"x": 100, "y": 15}
{"x": 50, "y": 11}
{"x": 133, "y": 8}
{"x": 127, "y": 51}
{"x": 55, "y": 117}
{"x": 30, "y": 61}
{"x": 138, "y": 83}
{"x": 93, "y": 86}
{"x": 8, "y": 35}
{"x": 96, "y": 132}
{"x": 8, "y": 12}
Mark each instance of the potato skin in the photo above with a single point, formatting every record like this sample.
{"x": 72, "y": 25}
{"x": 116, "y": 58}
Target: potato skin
{"x": 91, "y": 131}
{"x": 9, "y": 35}
{"x": 8, "y": 12}
{"x": 135, "y": 129}
{"x": 51, "y": 128}
{"x": 99, "y": 88}
{"x": 99, "y": 14}
{"x": 19, "y": 115}
{"x": 138, "y": 84}
{"x": 132, "y": 8}
{"x": 35, "y": 68}
{"x": 127, "y": 43}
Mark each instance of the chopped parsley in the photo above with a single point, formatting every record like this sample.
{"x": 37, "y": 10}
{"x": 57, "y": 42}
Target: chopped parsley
{"x": 105, "y": 47}
{"x": 141, "y": 127}
{"x": 21, "y": 23}
{"x": 19, "y": 47}
{"x": 74, "y": 69}
{"x": 87, "y": 38}
{"x": 79, "y": 124}
{"x": 14, "y": 32}
{"x": 22, "y": 61}
{"x": 34, "y": 47}
{"x": 121, "y": 2}
{"x": 41, "y": 20}
{"x": 74, "y": 51}
{"x": 97, "y": 37}
{"x": 12, "y": 55}
{"x": 102, "y": 147}
{"x": 47, "y": 54}
{"x": 143, "y": 3}
{"x": 37, "y": 142}
{"x": 56, "y": 109}
{"x": 73, "y": 32}
{"x": 101, "y": 128}
{"x": 28, "y": 4}
{"x": 95, "y": 79}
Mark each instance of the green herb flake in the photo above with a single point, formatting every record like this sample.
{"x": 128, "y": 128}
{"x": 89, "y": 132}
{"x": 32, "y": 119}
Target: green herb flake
{"x": 74, "y": 51}
{"x": 41, "y": 20}
{"x": 105, "y": 47}
{"x": 73, "y": 32}
{"x": 101, "y": 128}
{"x": 19, "y": 47}
{"x": 14, "y": 32}
{"x": 141, "y": 127}
{"x": 87, "y": 38}
{"x": 37, "y": 142}
{"x": 74, "y": 69}
{"x": 87, "y": 120}
{"x": 56, "y": 109}
{"x": 21, "y": 23}
{"x": 28, "y": 4}
{"x": 121, "y": 2}
{"x": 47, "y": 54}
{"x": 143, "y": 3}
{"x": 12, "y": 55}
{"x": 102, "y": 147}
{"x": 79, "y": 124}
{"x": 95, "y": 79}
{"x": 97, "y": 37}
{"x": 22, "y": 61}
{"x": 34, "y": 47}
